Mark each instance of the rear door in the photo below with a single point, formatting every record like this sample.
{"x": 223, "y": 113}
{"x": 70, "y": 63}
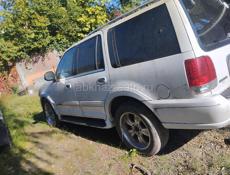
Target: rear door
{"x": 92, "y": 78}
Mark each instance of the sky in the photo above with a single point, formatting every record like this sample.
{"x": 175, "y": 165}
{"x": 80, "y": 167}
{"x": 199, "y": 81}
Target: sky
{"x": 0, "y": 16}
{"x": 114, "y": 2}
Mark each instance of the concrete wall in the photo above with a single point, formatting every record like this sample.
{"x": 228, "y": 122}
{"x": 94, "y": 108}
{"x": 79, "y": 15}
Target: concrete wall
{"x": 32, "y": 73}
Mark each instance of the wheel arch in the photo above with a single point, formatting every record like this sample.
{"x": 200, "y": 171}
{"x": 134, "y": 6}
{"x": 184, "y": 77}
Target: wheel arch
{"x": 119, "y": 100}
{"x": 49, "y": 100}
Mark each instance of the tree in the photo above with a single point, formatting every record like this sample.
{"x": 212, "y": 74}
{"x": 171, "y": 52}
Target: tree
{"x": 123, "y": 2}
{"x": 35, "y": 26}
{"x": 123, "y": 6}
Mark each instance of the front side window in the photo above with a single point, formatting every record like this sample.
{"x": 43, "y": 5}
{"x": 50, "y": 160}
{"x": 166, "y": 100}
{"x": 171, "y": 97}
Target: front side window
{"x": 210, "y": 20}
{"x": 90, "y": 55}
{"x": 148, "y": 36}
{"x": 65, "y": 67}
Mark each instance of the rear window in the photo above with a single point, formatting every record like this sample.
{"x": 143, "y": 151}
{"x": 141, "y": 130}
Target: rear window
{"x": 210, "y": 20}
{"x": 148, "y": 36}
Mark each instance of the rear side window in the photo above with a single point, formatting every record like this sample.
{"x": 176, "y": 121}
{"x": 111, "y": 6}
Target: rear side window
{"x": 90, "y": 55}
{"x": 148, "y": 36}
{"x": 65, "y": 67}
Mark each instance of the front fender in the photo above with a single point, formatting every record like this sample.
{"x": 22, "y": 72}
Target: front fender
{"x": 51, "y": 101}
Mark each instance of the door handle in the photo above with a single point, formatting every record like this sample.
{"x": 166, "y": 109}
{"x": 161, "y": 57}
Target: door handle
{"x": 101, "y": 81}
{"x": 68, "y": 86}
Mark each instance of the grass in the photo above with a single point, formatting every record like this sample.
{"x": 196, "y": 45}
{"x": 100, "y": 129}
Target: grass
{"x": 41, "y": 150}
{"x": 18, "y": 113}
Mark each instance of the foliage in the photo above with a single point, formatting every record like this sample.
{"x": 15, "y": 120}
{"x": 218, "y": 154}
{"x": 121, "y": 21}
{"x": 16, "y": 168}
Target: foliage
{"x": 128, "y": 5}
{"x": 8, "y": 53}
{"x": 34, "y": 26}
{"x": 132, "y": 153}
{"x": 116, "y": 8}
{"x": 29, "y": 27}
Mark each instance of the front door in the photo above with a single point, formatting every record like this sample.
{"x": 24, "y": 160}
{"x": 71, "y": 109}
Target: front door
{"x": 63, "y": 88}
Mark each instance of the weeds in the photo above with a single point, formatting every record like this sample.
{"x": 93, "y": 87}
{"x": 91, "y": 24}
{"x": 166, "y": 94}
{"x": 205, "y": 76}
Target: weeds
{"x": 18, "y": 113}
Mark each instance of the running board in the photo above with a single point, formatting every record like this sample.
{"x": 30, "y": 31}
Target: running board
{"x": 99, "y": 123}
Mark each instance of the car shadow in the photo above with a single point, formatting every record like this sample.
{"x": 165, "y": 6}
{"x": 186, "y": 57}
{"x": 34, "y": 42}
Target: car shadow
{"x": 13, "y": 161}
{"x": 177, "y": 138}
{"x": 105, "y": 136}
{"x": 39, "y": 118}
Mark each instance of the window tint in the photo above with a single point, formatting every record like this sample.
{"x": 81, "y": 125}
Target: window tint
{"x": 100, "y": 58}
{"x": 148, "y": 36}
{"x": 87, "y": 52}
{"x": 65, "y": 67}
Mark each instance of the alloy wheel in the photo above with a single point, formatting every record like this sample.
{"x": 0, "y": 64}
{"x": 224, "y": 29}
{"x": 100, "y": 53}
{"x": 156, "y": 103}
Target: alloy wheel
{"x": 135, "y": 130}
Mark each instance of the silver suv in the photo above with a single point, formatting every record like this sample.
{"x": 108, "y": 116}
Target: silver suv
{"x": 164, "y": 65}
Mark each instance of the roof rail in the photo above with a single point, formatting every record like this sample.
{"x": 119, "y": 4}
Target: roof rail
{"x": 126, "y": 14}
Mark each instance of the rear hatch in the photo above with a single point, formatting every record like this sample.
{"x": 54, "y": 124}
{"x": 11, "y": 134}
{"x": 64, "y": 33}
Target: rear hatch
{"x": 210, "y": 20}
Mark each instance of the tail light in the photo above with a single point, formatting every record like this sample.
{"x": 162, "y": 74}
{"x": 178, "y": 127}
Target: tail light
{"x": 201, "y": 74}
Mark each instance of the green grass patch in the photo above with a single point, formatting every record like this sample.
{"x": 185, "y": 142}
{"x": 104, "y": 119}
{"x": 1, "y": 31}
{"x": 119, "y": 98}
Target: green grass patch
{"x": 18, "y": 113}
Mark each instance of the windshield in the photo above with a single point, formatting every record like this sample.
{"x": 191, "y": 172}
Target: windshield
{"x": 210, "y": 20}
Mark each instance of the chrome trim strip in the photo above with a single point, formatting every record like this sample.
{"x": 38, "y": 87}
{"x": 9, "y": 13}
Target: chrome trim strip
{"x": 69, "y": 103}
{"x": 92, "y": 103}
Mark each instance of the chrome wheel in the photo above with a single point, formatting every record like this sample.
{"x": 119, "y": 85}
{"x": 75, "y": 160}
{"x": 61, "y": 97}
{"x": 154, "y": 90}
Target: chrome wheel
{"x": 50, "y": 114}
{"x": 135, "y": 130}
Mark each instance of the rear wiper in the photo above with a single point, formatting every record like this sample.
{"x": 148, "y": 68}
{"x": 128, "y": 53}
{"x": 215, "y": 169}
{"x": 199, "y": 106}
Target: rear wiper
{"x": 225, "y": 5}
{"x": 210, "y": 27}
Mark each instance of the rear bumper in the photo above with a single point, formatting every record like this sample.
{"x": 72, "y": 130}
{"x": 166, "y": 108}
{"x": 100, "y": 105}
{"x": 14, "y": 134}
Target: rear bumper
{"x": 199, "y": 113}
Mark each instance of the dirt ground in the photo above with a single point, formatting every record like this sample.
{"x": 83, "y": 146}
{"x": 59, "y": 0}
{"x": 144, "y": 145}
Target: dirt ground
{"x": 78, "y": 150}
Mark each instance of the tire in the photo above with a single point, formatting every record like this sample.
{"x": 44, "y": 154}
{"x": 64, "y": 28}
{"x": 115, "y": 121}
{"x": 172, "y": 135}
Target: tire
{"x": 139, "y": 129}
{"x": 50, "y": 115}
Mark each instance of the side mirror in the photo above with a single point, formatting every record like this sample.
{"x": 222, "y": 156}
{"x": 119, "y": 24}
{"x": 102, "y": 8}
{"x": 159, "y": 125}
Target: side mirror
{"x": 49, "y": 76}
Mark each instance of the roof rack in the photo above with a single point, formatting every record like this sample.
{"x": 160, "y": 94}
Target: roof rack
{"x": 126, "y": 14}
